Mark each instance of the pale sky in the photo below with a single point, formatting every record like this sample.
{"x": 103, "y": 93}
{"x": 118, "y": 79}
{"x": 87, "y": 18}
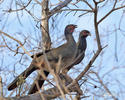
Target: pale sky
{"x": 107, "y": 36}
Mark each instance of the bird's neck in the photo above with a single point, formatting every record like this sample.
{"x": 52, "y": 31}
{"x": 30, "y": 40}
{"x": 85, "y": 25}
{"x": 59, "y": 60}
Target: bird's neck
{"x": 69, "y": 38}
{"x": 82, "y": 43}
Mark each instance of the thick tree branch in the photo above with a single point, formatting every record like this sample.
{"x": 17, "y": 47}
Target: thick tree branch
{"x": 60, "y": 6}
{"x": 46, "y": 14}
{"x": 46, "y": 40}
{"x": 1, "y": 87}
{"x": 96, "y": 27}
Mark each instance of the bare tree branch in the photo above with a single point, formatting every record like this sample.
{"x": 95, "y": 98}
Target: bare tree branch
{"x": 89, "y": 65}
{"x": 46, "y": 14}
{"x": 88, "y": 4}
{"x": 98, "y": 43}
{"x": 60, "y": 6}
{"x": 16, "y": 41}
{"x": 1, "y": 87}
{"x": 45, "y": 25}
{"x": 105, "y": 87}
{"x": 76, "y": 10}
{"x": 112, "y": 10}
{"x": 12, "y": 10}
{"x": 52, "y": 92}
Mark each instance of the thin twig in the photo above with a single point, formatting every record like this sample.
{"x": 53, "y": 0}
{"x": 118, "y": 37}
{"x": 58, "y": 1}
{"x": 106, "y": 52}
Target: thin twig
{"x": 11, "y": 10}
{"x": 105, "y": 87}
{"x": 16, "y": 41}
{"x": 111, "y": 11}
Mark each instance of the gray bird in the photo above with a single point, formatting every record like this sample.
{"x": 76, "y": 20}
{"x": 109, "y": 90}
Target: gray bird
{"x": 81, "y": 45}
{"x": 65, "y": 52}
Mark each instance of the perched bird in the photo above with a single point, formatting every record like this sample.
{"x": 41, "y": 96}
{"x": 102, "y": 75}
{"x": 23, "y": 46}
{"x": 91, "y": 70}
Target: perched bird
{"x": 66, "y": 52}
{"x": 81, "y": 47}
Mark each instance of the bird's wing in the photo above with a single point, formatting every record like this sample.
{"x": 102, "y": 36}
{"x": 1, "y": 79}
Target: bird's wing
{"x": 39, "y": 54}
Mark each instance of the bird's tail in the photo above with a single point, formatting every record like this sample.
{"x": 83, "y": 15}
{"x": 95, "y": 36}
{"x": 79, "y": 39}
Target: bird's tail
{"x": 39, "y": 81}
{"x": 21, "y": 78}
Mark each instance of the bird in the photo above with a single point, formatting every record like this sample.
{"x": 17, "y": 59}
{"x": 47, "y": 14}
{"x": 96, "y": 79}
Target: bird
{"x": 81, "y": 47}
{"x": 66, "y": 52}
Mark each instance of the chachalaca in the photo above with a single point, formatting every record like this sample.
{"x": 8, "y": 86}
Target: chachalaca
{"x": 66, "y": 52}
{"x": 81, "y": 45}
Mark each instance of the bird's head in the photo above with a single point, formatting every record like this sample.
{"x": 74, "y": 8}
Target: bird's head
{"x": 70, "y": 28}
{"x": 85, "y": 33}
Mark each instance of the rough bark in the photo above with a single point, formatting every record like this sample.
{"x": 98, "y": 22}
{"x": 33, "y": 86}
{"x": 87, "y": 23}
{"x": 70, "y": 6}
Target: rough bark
{"x": 45, "y": 25}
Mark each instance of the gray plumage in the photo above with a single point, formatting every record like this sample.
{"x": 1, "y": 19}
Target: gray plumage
{"x": 81, "y": 47}
{"x": 53, "y": 57}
